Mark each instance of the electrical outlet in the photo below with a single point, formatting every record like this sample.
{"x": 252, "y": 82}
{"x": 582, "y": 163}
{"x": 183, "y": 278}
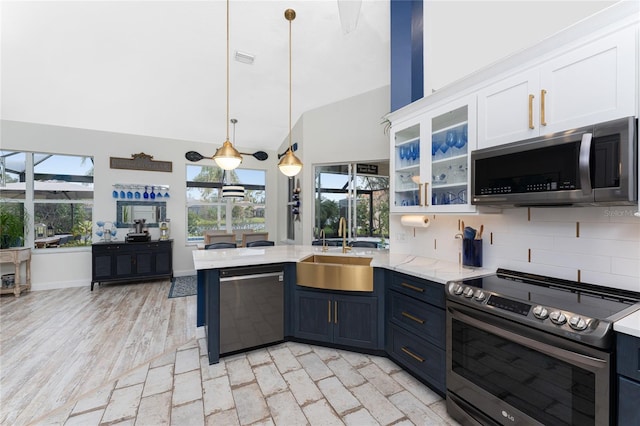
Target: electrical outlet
{"x": 401, "y": 236}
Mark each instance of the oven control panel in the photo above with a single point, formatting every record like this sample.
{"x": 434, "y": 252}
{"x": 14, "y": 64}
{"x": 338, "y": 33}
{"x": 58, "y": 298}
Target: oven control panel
{"x": 543, "y": 316}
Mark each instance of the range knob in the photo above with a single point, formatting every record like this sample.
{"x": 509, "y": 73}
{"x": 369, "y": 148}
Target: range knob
{"x": 457, "y": 290}
{"x": 468, "y": 292}
{"x": 540, "y": 312}
{"x": 479, "y": 295}
{"x": 557, "y": 317}
{"x": 577, "y": 323}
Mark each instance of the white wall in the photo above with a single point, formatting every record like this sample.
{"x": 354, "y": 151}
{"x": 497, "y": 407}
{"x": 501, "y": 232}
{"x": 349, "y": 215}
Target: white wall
{"x": 342, "y": 132}
{"x": 72, "y": 267}
{"x": 461, "y": 37}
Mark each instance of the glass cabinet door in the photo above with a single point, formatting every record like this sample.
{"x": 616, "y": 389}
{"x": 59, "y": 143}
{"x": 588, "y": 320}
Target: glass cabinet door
{"x": 452, "y": 135}
{"x": 406, "y": 154}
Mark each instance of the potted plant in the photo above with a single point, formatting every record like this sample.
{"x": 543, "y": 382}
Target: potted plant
{"x": 12, "y": 220}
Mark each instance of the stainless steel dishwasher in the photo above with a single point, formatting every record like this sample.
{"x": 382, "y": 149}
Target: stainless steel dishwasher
{"x": 251, "y": 307}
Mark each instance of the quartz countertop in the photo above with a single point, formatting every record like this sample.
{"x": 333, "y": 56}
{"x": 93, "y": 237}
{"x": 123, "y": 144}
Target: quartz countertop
{"x": 629, "y": 324}
{"x": 422, "y": 267}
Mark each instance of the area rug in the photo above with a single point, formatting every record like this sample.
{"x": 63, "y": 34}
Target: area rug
{"x": 183, "y": 286}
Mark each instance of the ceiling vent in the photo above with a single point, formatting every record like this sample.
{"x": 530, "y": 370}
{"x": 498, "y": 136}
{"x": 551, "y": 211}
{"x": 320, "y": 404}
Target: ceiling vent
{"x": 245, "y": 58}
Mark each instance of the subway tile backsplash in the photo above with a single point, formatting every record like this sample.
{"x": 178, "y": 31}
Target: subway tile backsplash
{"x": 605, "y": 251}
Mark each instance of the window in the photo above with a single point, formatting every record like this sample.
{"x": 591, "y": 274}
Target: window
{"x": 207, "y": 210}
{"x": 357, "y": 192}
{"x": 55, "y": 190}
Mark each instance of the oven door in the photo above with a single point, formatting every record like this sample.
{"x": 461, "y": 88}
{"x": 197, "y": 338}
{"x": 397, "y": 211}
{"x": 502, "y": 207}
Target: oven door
{"x": 501, "y": 372}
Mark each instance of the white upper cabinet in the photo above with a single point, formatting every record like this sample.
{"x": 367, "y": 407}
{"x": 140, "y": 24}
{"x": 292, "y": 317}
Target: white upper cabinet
{"x": 451, "y": 131}
{"x": 591, "y": 83}
{"x": 430, "y": 159}
{"x": 407, "y": 193}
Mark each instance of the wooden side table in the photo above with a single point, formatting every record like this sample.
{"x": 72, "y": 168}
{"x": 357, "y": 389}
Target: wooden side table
{"x": 16, "y": 256}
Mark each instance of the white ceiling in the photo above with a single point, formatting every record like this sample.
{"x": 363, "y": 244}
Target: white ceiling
{"x": 158, "y": 68}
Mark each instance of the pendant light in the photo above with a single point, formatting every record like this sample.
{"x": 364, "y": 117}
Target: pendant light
{"x": 232, "y": 191}
{"x": 227, "y": 157}
{"x": 289, "y": 164}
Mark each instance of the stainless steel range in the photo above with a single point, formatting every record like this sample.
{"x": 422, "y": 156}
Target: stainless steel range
{"x": 529, "y": 349}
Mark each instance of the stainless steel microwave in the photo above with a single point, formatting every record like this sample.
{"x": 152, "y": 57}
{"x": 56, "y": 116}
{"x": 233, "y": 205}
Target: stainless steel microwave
{"x": 593, "y": 165}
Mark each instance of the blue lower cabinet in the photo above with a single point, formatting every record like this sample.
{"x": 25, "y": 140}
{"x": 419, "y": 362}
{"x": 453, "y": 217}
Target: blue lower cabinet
{"x": 629, "y": 398}
{"x": 416, "y": 355}
{"x": 415, "y": 328}
{"x": 312, "y": 316}
{"x": 628, "y": 369}
{"x": 427, "y": 321}
{"x": 342, "y": 319}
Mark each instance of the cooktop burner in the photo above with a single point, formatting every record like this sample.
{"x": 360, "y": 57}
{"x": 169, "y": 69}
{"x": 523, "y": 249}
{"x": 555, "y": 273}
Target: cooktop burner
{"x": 578, "y": 311}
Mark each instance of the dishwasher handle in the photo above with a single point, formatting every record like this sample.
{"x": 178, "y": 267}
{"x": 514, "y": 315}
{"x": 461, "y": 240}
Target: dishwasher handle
{"x": 240, "y": 271}
{"x": 280, "y": 276}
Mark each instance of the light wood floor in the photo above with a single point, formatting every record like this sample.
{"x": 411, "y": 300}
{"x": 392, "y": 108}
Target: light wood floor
{"x": 57, "y": 345}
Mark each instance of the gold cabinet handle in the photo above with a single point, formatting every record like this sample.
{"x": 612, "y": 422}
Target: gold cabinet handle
{"x": 411, "y": 317}
{"x": 335, "y": 312}
{"x": 329, "y": 311}
{"x": 426, "y": 199}
{"x": 531, "y": 111}
{"x": 412, "y": 287}
{"x": 412, "y": 355}
{"x": 420, "y": 194}
{"x": 543, "y": 120}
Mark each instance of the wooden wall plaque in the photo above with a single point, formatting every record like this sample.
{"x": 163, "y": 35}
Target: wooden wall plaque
{"x": 141, "y": 161}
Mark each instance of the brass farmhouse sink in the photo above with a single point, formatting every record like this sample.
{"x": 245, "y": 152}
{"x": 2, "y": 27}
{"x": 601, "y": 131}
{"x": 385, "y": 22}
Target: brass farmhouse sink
{"x": 347, "y": 273}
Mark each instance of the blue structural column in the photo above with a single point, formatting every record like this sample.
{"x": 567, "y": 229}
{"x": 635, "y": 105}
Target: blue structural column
{"x": 407, "y": 47}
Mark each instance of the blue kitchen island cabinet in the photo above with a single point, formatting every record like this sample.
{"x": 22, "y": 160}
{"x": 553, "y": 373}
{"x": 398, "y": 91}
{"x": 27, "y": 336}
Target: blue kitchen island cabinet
{"x": 346, "y": 319}
{"x": 628, "y": 366}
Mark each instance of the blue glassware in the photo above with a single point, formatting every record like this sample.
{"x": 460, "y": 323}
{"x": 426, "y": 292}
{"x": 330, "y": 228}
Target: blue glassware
{"x": 414, "y": 151}
{"x": 159, "y": 194}
{"x": 462, "y": 196}
{"x": 137, "y": 195}
{"x": 114, "y": 231}
{"x": 129, "y": 194}
{"x": 100, "y": 223}
{"x": 435, "y": 145}
{"x": 451, "y": 138}
{"x": 122, "y": 194}
{"x": 444, "y": 148}
{"x": 461, "y": 140}
{"x": 146, "y": 194}
{"x": 114, "y": 194}
{"x": 166, "y": 194}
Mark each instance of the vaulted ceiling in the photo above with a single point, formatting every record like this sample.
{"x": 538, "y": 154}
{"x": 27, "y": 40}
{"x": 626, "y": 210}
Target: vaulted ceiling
{"x": 158, "y": 68}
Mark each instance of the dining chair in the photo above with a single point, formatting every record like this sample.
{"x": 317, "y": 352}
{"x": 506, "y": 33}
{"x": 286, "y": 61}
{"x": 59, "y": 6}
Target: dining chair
{"x": 368, "y": 244}
{"x": 220, "y": 245}
{"x": 260, "y": 243}
{"x": 218, "y": 237}
{"x": 254, "y": 236}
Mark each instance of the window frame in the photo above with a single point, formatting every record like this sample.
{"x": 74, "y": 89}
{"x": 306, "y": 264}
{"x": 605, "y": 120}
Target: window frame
{"x": 227, "y": 203}
{"x": 30, "y": 201}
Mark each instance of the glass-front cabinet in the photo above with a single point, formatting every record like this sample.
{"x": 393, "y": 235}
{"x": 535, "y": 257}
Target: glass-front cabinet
{"x": 407, "y": 180}
{"x": 431, "y": 159}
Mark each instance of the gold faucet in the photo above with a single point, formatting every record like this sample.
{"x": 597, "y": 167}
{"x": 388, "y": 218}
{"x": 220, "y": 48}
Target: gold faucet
{"x": 324, "y": 242}
{"x": 342, "y": 231}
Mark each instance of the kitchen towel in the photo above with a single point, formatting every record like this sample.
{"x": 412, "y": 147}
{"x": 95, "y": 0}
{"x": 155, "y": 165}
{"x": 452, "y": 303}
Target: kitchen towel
{"x": 416, "y": 221}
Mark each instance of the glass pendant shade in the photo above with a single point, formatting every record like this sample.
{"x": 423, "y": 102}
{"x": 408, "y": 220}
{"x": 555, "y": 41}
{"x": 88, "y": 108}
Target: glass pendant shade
{"x": 227, "y": 157}
{"x": 289, "y": 164}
